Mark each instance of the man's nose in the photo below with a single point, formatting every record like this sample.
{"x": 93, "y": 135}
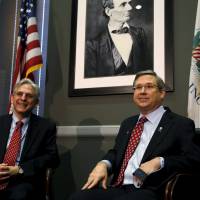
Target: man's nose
{"x": 128, "y": 6}
{"x": 23, "y": 96}
{"x": 143, "y": 89}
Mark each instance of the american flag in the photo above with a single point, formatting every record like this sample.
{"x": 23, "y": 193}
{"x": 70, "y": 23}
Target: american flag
{"x": 28, "y": 54}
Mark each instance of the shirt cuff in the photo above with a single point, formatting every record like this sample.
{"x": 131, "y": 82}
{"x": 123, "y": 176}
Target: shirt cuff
{"x": 162, "y": 162}
{"x": 108, "y": 163}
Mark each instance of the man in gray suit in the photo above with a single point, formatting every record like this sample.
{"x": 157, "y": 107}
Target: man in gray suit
{"x": 120, "y": 49}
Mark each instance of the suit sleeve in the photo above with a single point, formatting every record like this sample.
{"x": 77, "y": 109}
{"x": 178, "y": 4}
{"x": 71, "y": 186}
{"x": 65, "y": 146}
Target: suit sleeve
{"x": 177, "y": 146}
{"x": 185, "y": 137}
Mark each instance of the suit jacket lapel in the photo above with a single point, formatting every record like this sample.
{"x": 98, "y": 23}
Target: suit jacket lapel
{"x": 105, "y": 53}
{"x": 128, "y": 133}
{"x": 160, "y": 133}
{"x": 31, "y": 135}
{"x": 4, "y": 134}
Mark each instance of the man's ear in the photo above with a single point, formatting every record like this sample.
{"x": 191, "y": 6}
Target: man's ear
{"x": 108, "y": 11}
{"x": 163, "y": 93}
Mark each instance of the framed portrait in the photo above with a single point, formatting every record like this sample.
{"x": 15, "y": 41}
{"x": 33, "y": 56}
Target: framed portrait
{"x": 104, "y": 61}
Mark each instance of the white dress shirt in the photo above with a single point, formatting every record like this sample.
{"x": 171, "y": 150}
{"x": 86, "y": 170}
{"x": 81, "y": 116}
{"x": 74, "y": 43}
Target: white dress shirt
{"x": 120, "y": 41}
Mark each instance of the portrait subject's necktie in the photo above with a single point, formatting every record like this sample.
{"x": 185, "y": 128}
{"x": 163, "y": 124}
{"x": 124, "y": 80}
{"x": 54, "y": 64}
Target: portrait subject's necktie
{"x": 132, "y": 145}
{"x": 121, "y": 31}
{"x": 13, "y": 149}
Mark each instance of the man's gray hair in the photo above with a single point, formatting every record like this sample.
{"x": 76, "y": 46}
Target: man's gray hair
{"x": 160, "y": 83}
{"x": 28, "y": 82}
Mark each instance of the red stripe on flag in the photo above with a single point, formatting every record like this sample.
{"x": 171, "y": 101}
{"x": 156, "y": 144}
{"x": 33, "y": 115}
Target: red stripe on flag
{"x": 32, "y": 45}
{"x": 32, "y": 29}
{"x": 32, "y": 62}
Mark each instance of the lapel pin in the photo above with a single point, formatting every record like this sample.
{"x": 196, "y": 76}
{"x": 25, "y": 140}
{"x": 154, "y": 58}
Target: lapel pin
{"x": 160, "y": 129}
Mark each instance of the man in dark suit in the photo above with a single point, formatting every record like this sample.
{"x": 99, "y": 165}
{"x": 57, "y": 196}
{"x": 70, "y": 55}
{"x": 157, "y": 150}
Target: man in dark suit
{"x": 159, "y": 154}
{"x": 121, "y": 49}
{"x": 37, "y": 148}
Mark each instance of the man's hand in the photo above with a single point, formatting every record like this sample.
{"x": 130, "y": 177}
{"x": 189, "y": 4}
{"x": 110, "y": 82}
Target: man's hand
{"x": 13, "y": 170}
{"x": 7, "y": 171}
{"x": 4, "y": 172}
{"x": 151, "y": 165}
{"x": 99, "y": 173}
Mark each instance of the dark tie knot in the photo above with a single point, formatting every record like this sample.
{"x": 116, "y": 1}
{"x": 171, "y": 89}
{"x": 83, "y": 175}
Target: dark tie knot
{"x": 19, "y": 124}
{"x": 121, "y": 31}
{"x": 142, "y": 120}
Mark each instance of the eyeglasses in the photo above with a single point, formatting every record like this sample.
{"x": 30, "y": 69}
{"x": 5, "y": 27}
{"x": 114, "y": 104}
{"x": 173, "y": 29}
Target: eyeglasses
{"x": 147, "y": 87}
{"x": 20, "y": 94}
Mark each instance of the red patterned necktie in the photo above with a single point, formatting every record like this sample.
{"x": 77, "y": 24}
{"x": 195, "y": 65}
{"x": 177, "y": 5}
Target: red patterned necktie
{"x": 13, "y": 149}
{"x": 132, "y": 145}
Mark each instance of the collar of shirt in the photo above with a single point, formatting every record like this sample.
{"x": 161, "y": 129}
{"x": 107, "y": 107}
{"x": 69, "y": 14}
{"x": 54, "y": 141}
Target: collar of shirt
{"x": 111, "y": 28}
{"x": 155, "y": 115}
{"x": 24, "y": 120}
{"x": 25, "y": 124}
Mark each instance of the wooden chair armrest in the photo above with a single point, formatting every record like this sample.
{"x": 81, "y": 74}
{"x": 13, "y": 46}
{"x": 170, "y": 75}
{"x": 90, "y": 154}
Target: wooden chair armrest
{"x": 181, "y": 184}
{"x": 49, "y": 173}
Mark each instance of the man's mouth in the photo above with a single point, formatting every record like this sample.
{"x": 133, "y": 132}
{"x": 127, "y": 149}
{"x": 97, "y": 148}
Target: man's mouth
{"x": 21, "y": 105}
{"x": 143, "y": 99}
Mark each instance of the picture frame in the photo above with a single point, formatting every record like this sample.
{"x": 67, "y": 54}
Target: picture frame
{"x": 162, "y": 54}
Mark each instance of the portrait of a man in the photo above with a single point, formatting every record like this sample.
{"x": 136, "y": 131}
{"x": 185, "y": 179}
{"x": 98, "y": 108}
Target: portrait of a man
{"x": 117, "y": 43}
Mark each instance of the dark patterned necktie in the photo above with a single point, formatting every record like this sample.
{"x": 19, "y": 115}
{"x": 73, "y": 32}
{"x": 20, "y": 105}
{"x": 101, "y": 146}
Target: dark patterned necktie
{"x": 132, "y": 145}
{"x": 13, "y": 149}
